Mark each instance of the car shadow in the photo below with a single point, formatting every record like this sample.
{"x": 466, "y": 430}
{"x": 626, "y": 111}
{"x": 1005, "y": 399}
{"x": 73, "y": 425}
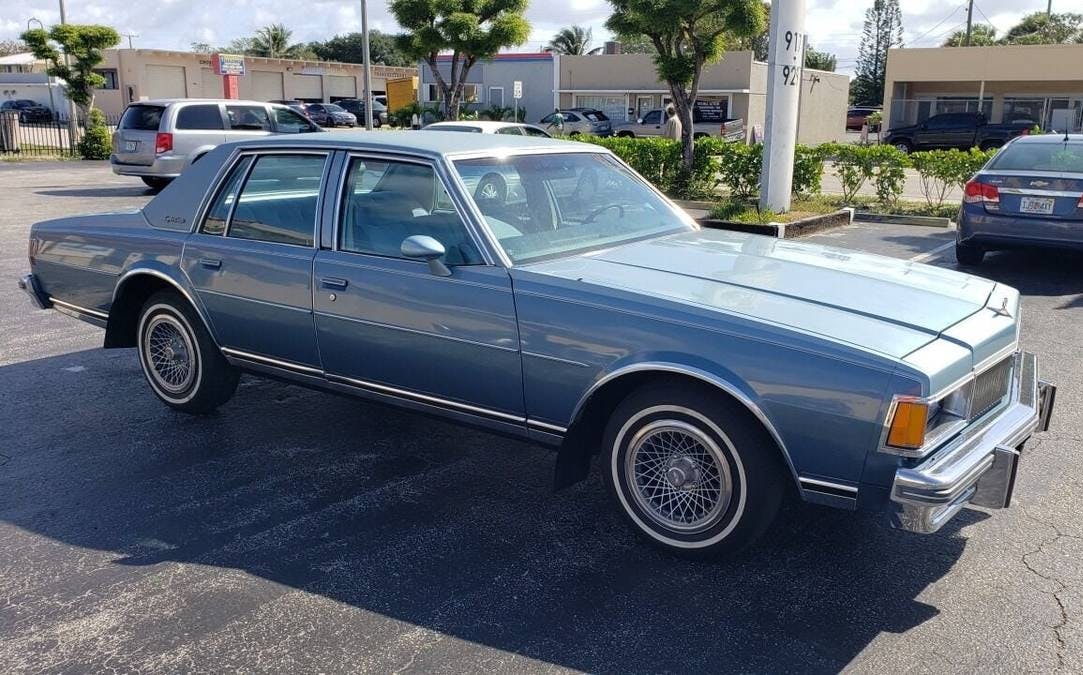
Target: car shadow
{"x": 411, "y": 519}
{"x": 119, "y": 191}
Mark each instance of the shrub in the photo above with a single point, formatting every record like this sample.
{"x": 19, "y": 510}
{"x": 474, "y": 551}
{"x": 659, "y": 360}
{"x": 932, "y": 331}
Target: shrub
{"x": 659, "y": 161}
{"x": 853, "y": 166}
{"x": 889, "y": 172}
{"x": 808, "y": 170}
{"x": 496, "y": 113}
{"x": 739, "y": 168}
{"x": 941, "y": 170}
{"x": 96, "y": 142}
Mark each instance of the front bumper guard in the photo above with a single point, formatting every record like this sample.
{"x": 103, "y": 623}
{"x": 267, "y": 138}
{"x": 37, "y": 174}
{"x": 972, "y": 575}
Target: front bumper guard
{"x": 978, "y": 468}
{"x": 29, "y": 283}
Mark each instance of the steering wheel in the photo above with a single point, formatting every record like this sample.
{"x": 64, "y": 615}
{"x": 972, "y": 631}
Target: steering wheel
{"x": 602, "y": 209}
{"x": 492, "y": 188}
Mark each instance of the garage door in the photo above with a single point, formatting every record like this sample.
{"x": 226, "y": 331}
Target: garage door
{"x": 614, "y": 107}
{"x": 165, "y": 82}
{"x": 341, "y": 86}
{"x": 262, "y": 85}
{"x": 212, "y": 84}
{"x": 306, "y": 87}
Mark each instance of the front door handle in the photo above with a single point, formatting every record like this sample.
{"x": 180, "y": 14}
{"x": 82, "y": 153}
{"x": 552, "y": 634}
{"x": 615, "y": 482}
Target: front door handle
{"x": 211, "y": 263}
{"x": 334, "y": 282}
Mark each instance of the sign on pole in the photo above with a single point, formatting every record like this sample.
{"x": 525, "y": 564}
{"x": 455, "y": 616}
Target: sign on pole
{"x": 785, "y": 64}
{"x": 227, "y": 64}
{"x": 517, "y": 89}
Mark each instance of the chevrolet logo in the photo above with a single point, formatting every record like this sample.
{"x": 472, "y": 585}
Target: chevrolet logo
{"x": 1039, "y": 183}
{"x": 1002, "y": 310}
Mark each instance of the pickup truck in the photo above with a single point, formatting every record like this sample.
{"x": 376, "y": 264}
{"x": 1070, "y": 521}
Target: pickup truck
{"x": 955, "y": 130}
{"x": 653, "y": 123}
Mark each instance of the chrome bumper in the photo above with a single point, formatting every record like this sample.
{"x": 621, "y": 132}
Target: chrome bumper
{"x": 977, "y": 468}
{"x": 29, "y": 283}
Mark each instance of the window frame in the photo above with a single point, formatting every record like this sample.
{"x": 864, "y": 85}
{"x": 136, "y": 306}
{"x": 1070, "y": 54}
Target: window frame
{"x": 228, "y": 121}
{"x": 224, "y": 174}
{"x": 222, "y": 119}
{"x": 465, "y": 218}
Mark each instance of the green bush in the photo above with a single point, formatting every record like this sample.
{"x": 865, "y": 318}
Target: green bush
{"x": 659, "y": 161}
{"x": 889, "y": 172}
{"x": 853, "y": 166}
{"x": 856, "y": 165}
{"x": 97, "y": 142}
{"x": 739, "y": 168}
{"x": 941, "y": 170}
{"x": 808, "y": 170}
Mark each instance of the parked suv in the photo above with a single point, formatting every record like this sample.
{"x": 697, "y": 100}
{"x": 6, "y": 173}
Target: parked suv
{"x": 581, "y": 121}
{"x": 955, "y": 130}
{"x": 653, "y": 124}
{"x": 157, "y": 139}
{"x": 356, "y": 107}
{"x": 29, "y": 111}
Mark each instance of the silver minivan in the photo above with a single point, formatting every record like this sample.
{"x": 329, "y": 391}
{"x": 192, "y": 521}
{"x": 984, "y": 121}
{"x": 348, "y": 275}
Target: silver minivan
{"x": 157, "y": 139}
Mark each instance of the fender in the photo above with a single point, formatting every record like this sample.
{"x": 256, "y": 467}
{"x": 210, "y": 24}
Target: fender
{"x": 169, "y": 275}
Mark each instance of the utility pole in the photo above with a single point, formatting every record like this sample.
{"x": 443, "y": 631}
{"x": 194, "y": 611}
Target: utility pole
{"x": 785, "y": 67}
{"x": 1049, "y": 10}
{"x": 970, "y": 21}
{"x": 130, "y": 36}
{"x": 73, "y": 115}
{"x": 368, "y": 63}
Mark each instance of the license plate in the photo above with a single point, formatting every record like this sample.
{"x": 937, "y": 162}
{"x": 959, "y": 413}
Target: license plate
{"x": 1041, "y": 205}
{"x": 131, "y": 146}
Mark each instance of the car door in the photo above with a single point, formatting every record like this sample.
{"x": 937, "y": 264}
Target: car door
{"x": 247, "y": 121}
{"x": 250, "y": 260}
{"x": 290, "y": 122}
{"x": 197, "y": 126}
{"x": 389, "y": 323}
{"x": 651, "y": 125}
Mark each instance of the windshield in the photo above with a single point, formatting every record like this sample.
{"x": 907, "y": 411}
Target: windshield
{"x": 549, "y": 205}
{"x": 1040, "y": 157}
{"x": 331, "y": 107}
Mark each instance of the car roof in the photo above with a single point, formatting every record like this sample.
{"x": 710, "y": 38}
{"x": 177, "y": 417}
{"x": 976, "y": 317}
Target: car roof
{"x": 480, "y": 124}
{"x": 430, "y": 144}
{"x": 1049, "y": 138}
{"x": 171, "y": 101}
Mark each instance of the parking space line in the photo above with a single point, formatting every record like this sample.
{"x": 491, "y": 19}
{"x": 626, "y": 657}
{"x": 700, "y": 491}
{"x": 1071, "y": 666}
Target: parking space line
{"x": 922, "y": 257}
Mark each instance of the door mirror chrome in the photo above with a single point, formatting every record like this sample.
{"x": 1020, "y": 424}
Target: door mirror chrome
{"x": 423, "y": 247}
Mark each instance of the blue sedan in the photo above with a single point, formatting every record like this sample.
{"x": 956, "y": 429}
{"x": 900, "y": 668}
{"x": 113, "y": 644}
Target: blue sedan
{"x": 1029, "y": 194}
{"x": 543, "y": 290}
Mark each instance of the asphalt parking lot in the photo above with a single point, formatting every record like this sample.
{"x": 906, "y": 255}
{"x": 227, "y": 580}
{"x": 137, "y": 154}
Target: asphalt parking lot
{"x": 297, "y": 531}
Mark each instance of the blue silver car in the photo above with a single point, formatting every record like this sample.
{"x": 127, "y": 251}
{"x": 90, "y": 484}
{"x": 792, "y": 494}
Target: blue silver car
{"x": 1029, "y": 195}
{"x": 543, "y": 290}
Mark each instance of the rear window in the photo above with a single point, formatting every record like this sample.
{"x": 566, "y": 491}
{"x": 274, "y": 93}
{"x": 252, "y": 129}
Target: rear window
{"x": 596, "y": 116}
{"x": 142, "y": 117}
{"x": 1065, "y": 157}
{"x": 199, "y": 117}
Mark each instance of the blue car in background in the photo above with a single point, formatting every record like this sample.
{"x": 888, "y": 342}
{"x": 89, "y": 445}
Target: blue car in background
{"x": 543, "y": 290}
{"x": 1029, "y": 194}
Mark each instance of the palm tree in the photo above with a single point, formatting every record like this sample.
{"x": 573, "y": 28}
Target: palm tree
{"x": 571, "y": 41}
{"x": 274, "y": 42}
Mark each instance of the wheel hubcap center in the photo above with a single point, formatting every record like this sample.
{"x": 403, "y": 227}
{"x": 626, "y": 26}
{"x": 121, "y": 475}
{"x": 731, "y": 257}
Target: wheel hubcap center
{"x": 682, "y": 472}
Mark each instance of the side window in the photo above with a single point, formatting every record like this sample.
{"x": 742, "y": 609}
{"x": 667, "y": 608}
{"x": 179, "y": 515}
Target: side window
{"x": 199, "y": 117}
{"x": 510, "y": 131}
{"x": 386, "y": 202}
{"x": 278, "y": 201}
{"x": 218, "y": 214}
{"x": 571, "y": 117}
{"x": 248, "y": 118}
{"x": 532, "y": 131}
{"x": 289, "y": 122}
{"x": 547, "y": 119}
{"x": 653, "y": 117}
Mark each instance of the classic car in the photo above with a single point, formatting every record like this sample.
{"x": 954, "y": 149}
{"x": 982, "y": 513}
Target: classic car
{"x": 709, "y": 372}
{"x": 1030, "y": 194}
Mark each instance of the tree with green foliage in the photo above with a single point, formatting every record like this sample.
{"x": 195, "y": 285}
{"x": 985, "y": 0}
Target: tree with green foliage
{"x": 274, "y": 42}
{"x": 82, "y": 45}
{"x": 348, "y": 48}
{"x": 982, "y": 35}
{"x": 1040, "y": 28}
{"x": 571, "y": 41}
{"x": 818, "y": 60}
{"x": 471, "y": 30}
{"x": 759, "y": 43}
{"x": 686, "y": 35}
{"x": 635, "y": 44}
{"x": 883, "y": 31}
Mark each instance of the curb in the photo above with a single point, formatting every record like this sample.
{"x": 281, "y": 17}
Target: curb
{"x": 921, "y": 221}
{"x": 797, "y": 228}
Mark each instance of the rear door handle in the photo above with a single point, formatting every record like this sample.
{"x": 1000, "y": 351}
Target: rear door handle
{"x": 211, "y": 263}
{"x": 334, "y": 282}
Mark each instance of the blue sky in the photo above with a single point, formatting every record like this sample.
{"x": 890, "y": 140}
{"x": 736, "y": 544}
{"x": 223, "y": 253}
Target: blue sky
{"x": 833, "y": 25}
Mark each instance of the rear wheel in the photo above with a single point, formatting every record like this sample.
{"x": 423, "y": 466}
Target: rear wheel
{"x": 155, "y": 183}
{"x": 183, "y": 366}
{"x": 690, "y": 471}
{"x": 904, "y": 147}
{"x": 968, "y": 254}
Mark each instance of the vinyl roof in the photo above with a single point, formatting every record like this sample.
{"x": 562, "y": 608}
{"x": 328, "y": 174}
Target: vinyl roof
{"x": 428, "y": 142}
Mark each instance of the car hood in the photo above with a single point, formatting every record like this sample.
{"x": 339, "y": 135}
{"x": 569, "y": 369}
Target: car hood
{"x": 890, "y": 306}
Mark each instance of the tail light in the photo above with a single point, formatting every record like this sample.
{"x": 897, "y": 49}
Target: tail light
{"x": 163, "y": 142}
{"x": 977, "y": 192}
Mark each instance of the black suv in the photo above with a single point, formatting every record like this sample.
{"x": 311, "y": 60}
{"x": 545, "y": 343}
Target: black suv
{"x": 29, "y": 111}
{"x": 357, "y": 107}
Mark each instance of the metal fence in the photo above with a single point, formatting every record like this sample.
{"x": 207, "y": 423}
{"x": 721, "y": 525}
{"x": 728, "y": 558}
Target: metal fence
{"x": 43, "y": 138}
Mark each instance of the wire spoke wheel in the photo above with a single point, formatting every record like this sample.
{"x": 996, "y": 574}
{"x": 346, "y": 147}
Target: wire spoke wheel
{"x": 169, "y": 354}
{"x": 679, "y": 476}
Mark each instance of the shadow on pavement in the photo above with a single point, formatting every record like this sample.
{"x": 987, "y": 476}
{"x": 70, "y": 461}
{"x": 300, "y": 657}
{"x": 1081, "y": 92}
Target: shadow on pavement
{"x": 453, "y": 530}
{"x": 1035, "y": 272}
{"x": 137, "y": 190}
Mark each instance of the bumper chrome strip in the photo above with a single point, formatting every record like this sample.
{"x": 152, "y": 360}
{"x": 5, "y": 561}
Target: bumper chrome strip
{"x": 828, "y": 487}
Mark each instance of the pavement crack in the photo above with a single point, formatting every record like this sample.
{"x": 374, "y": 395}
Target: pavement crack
{"x": 1058, "y": 585}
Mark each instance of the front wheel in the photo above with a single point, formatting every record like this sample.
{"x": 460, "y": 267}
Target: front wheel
{"x": 905, "y": 147}
{"x": 690, "y": 471}
{"x": 183, "y": 366}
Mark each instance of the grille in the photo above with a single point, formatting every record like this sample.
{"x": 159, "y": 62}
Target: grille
{"x": 990, "y": 388}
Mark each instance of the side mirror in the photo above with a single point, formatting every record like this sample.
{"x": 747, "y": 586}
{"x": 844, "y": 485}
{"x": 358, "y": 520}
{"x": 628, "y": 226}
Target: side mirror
{"x": 423, "y": 247}
{"x": 639, "y": 120}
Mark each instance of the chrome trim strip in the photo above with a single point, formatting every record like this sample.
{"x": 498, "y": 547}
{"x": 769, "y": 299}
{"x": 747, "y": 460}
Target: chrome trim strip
{"x": 425, "y": 398}
{"x": 173, "y": 282}
{"x": 81, "y": 310}
{"x": 699, "y": 375}
{"x": 289, "y": 365}
{"x": 1040, "y": 193}
{"x": 377, "y": 324}
{"x": 829, "y": 484}
{"x": 548, "y": 427}
{"x": 556, "y": 359}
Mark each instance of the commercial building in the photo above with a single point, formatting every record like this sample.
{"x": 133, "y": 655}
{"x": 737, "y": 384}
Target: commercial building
{"x": 1038, "y": 83}
{"x": 625, "y": 86}
{"x": 139, "y": 74}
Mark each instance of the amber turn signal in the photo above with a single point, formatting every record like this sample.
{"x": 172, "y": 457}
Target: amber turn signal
{"x": 908, "y": 425}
